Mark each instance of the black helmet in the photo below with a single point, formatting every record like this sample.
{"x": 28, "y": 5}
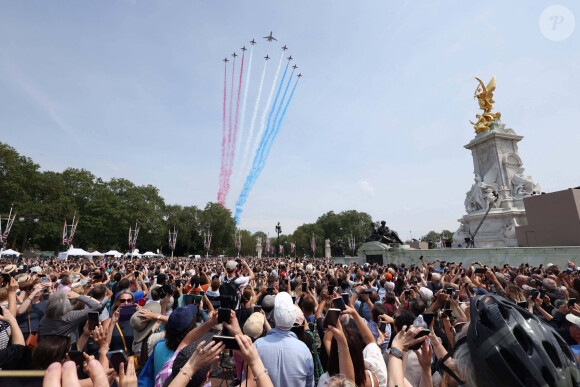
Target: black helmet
{"x": 509, "y": 346}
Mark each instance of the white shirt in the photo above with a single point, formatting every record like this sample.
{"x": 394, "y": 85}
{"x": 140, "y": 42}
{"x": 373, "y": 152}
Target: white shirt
{"x": 374, "y": 361}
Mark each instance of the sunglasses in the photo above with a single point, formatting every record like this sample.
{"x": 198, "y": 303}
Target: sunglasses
{"x": 125, "y": 301}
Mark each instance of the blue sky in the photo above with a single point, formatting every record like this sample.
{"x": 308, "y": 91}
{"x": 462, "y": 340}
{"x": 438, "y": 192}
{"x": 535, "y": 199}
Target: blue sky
{"x": 133, "y": 89}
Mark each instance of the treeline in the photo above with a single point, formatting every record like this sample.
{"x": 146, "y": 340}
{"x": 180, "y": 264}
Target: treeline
{"x": 108, "y": 208}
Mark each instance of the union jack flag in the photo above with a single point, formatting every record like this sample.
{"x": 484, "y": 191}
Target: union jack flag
{"x": 64, "y": 234}
{"x": 292, "y": 247}
{"x": 9, "y": 223}
{"x": 72, "y": 232}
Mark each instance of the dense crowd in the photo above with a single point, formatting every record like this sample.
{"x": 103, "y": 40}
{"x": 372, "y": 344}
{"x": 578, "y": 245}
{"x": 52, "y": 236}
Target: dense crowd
{"x": 289, "y": 322}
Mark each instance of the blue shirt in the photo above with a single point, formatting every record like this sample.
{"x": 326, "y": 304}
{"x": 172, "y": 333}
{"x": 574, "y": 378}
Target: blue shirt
{"x": 364, "y": 311}
{"x": 287, "y": 359}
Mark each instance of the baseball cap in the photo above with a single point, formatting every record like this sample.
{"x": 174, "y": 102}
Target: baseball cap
{"x": 284, "y": 311}
{"x": 254, "y": 325}
{"x": 573, "y": 319}
{"x": 426, "y": 294}
{"x": 299, "y": 316}
{"x": 181, "y": 318}
{"x": 268, "y": 303}
{"x": 142, "y": 326}
{"x": 231, "y": 266}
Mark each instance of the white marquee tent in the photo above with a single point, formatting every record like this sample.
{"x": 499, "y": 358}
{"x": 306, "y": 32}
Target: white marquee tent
{"x": 10, "y": 253}
{"x": 97, "y": 254}
{"x": 76, "y": 252}
{"x": 114, "y": 253}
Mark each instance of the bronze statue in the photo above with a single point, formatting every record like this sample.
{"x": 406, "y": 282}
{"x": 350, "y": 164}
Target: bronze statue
{"x": 384, "y": 235}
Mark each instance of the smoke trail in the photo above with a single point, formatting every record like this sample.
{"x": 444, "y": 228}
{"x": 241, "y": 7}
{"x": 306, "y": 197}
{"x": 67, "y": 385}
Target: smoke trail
{"x": 258, "y": 166}
{"x": 260, "y": 136}
{"x": 223, "y": 135}
{"x": 270, "y": 129}
{"x": 232, "y": 147}
{"x": 242, "y": 119}
{"x": 253, "y": 122}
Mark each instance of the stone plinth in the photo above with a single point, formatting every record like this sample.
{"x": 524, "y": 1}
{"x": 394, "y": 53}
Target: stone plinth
{"x": 499, "y": 171}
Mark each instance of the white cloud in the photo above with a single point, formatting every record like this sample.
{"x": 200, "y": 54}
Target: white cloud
{"x": 366, "y": 186}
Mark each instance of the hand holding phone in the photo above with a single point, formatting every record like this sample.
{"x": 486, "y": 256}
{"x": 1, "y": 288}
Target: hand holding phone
{"x": 224, "y": 315}
{"x": 331, "y": 317}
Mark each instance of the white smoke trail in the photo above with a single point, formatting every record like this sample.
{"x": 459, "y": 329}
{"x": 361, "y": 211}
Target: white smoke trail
{"x": 253, "y": 122}
{"x": 266, "y": 107}
{"x": 243, "y": 118}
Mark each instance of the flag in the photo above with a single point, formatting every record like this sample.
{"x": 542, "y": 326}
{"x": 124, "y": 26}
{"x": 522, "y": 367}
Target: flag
{"x": 281, "y": 248}
{"x": 72, "y": 232}
{"x": 292, "y": 247}
{"x": 64, "y": 234}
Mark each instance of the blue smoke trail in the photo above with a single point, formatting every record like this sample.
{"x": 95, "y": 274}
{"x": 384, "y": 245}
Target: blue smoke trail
{"x": 255, "y": 171}
{"x": 257, "y": 167}
{"x": 271, "y": 130}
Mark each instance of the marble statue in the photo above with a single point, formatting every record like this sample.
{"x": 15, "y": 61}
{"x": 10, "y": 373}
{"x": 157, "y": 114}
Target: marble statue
{"x": 484, "y": 95}
{"x": 523, "y": 185}
{"x": 259, "y": 247}
{"x": 480, "y": 195}
{"x": 327, "y": 251}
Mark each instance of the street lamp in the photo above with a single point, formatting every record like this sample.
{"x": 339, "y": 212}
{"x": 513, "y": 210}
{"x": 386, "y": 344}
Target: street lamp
{"x": 278, "y": 231}
{"x": 27, "y": 218}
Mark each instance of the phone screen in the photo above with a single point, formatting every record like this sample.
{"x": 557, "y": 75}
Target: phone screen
{"x": 424, "y": 332}
{"x": 571, "y": 302}
{"x": 45, "y": 280}
{"x": 77, "y": 357}
{"x": 126, "y": 312}
{"x": 257, "y": 308}
{"x": 224, "y": 315}
{"x": 331, "y": 317}
{"x": 345, "y": 298}
{"x": 428, "y": 317}
{"x": 304, "y": 284}
{"x": 93, "y": 320}
{"x": 229, "y": 342}
{"x": 188, "y": 298}
{"x": 116, "y": 358}
{"x": 338, "y": 303}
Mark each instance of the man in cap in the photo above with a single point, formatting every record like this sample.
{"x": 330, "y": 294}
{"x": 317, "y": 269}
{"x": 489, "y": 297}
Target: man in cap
{"x": 287, "y": 359}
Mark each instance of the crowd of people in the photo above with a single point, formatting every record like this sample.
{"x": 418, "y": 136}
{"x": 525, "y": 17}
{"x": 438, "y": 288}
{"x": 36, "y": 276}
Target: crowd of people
{"x": 289, "y": 322}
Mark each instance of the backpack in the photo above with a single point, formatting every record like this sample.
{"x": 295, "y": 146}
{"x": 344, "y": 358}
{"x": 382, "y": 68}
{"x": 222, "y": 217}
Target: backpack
{"x": 315, "y": 336}
{"x": 229, "y": 293}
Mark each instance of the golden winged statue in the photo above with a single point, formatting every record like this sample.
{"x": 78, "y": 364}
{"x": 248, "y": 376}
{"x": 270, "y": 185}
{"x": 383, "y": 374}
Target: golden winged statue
{"x": 484, "y": 95}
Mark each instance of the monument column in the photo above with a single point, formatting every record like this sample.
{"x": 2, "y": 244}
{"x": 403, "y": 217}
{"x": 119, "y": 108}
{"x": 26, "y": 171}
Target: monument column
{"x": 498, "y": 173}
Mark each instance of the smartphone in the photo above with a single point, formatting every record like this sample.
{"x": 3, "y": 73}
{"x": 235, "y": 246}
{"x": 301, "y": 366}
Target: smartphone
{"x": 93, "y": 320}
{"x": 177, "y": 283}
{"x": 77, "y": 357}
{"x": 116, "y": 358}
{"x": 270, "y": 291}
{"x": 257, "y": 308}
{"x": 449, "y": 291}
{"x": 188, "y": 299}
{"x": 523, "y": 304}
{"x": 304, "y": 284}
{"x": 197, "y": 299}
{"x": 338, "y": 303}
{"x": 230, "y": 342}
{"x": 571, "y": 302}
{"x": 345, "y": 297}
{"x": 224, "y": 315}
{"x": 293, "y": 299}
{"x": 424, "y": 332}
{"x": 126, "y": 312}
{"x": 535, "y": 293}
{"x": 480, "y": 270}
{"x": 383, "y": 327}
{"x": 448, "y": 312}
{"x": 330, "y": 289}
{"x": 428, "y": 318}
{"x": 6, "y": 278}
{"x": 45, "y": 280}
{"x": 331, "y": 317}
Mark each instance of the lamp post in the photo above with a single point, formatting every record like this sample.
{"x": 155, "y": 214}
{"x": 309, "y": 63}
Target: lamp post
{"x": 27, "y": 218}
{"x": 278, "y": 231}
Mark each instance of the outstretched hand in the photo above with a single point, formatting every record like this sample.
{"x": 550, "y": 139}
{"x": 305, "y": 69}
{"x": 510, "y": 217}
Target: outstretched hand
{"x": 65, "y": 375}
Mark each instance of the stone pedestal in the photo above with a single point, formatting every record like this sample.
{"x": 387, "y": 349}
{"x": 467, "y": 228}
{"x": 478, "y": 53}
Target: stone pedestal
{"x": 259, "y": 247}
{"x": 327, "y": 251}
{"x": 498, "y": 170}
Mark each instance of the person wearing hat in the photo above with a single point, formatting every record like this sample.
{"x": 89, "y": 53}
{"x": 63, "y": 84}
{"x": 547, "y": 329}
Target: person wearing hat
{"x": 232, "y": 272}
{"x": 256, "y": 326}
{"x": 143, "y": 339}
{"x": 268, "y": 307}
{"x": 288, "y": 360}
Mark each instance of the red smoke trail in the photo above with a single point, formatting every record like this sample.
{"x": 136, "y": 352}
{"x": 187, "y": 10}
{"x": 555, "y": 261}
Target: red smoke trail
{"x": 220, "y": 190}
{"x": 232, "y": 148}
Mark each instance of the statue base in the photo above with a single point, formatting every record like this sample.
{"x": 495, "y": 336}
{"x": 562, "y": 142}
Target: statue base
{"x": 497, "y": 167}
